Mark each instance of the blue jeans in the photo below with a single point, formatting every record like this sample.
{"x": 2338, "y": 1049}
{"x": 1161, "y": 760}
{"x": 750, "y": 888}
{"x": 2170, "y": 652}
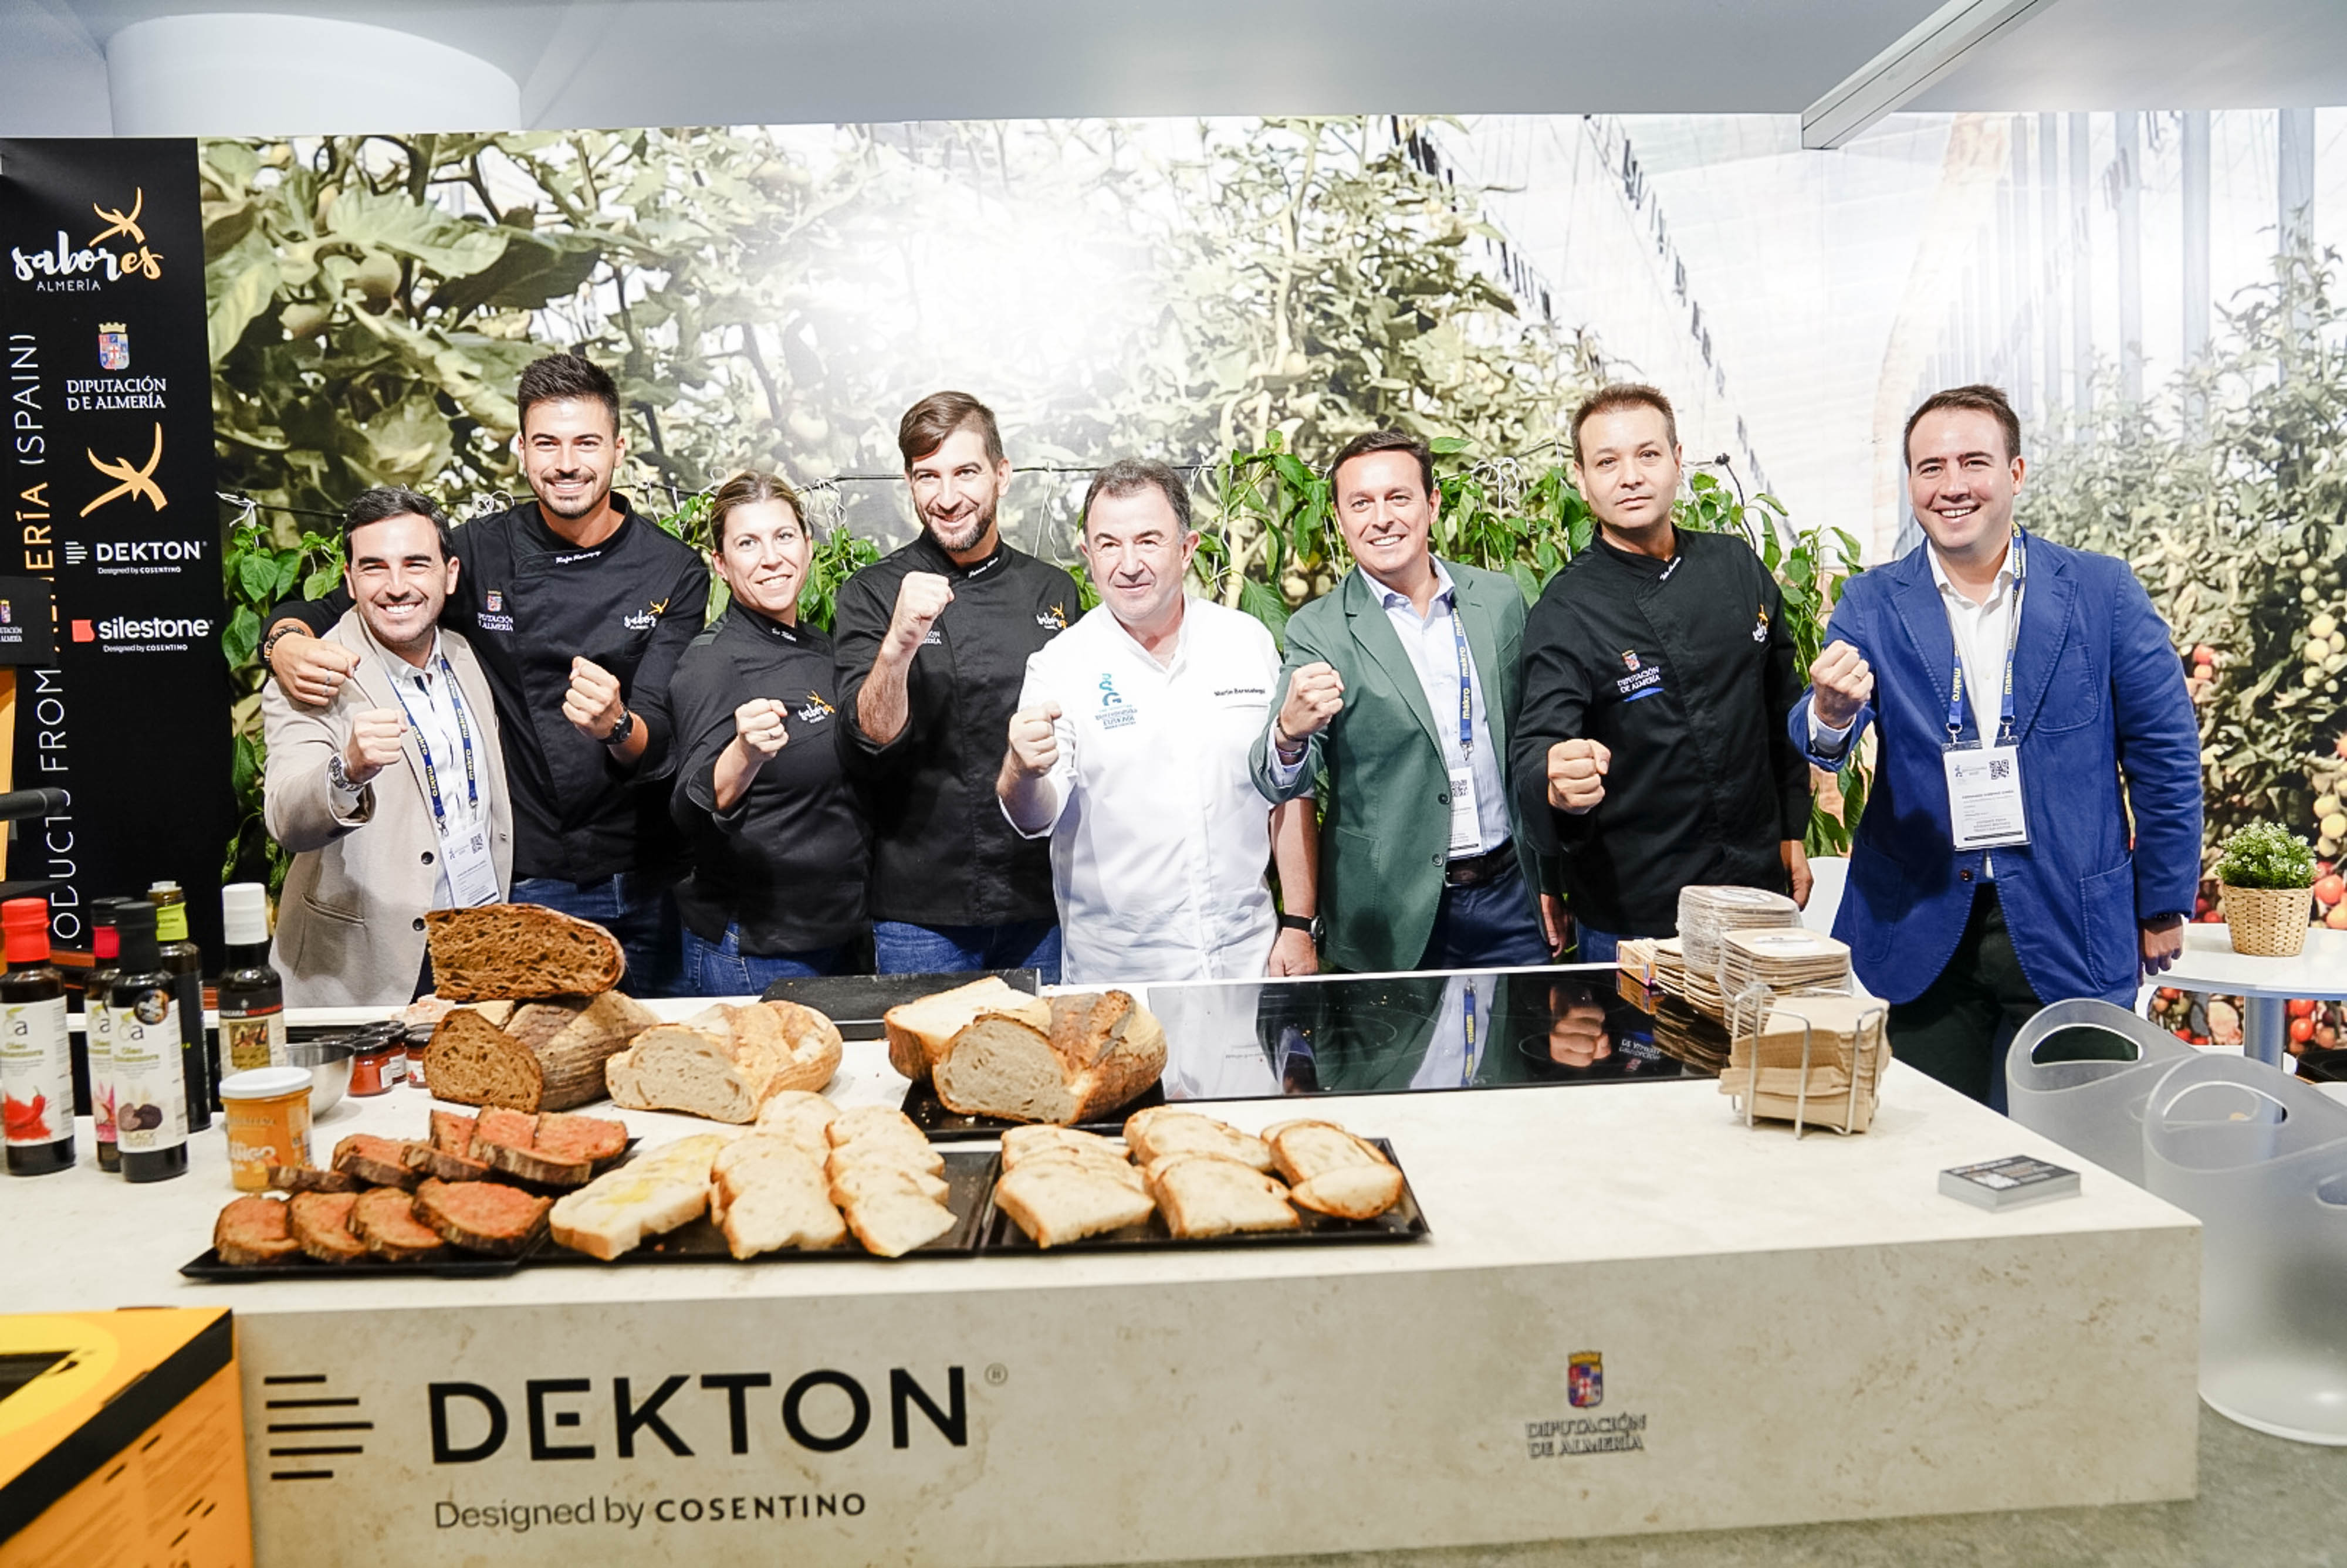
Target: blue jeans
{"x": 1596, "y": 947}
{"x": 901, "y": 947}
{"x": 639, "y": 910}
{"x": 721, "y": 969}
{"x": 1490, "y": 925}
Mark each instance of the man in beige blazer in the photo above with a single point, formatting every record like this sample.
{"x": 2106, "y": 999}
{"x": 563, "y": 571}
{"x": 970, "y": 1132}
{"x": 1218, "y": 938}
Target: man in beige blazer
{"x": 391, "y": 798}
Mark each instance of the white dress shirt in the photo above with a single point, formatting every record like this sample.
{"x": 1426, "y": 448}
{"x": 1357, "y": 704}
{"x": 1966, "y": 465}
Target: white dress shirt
{"x": 430, "y": 699}
{"x": 1980, "y": 631}
{"x": 1433, "y": 648}
{"x": 1159, "y": 838}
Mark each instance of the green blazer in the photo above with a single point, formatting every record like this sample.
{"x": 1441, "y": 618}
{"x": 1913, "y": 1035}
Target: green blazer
{"x": 1386, "y": 830}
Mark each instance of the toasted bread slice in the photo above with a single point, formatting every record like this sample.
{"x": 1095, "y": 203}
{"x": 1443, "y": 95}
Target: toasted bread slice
{"x": 482, "y": 1217}
{"x": 565, "y": 1135}
{"x": 429, "y": 1160}
{"x": 453, "y": 1130}
{"x": 255, "y": 1230}
{"x": 657, "y": 1192}
{"x": 377, "y": 1162}
{"x": 1351, "y": 1192}
{"x": 322, "y": 1223}
{"x": 1202, "y": 1195}
{"x": 1060, "y": 1200}
{"x": 385, "y": 1218}
{"x": 309, "y": 1179}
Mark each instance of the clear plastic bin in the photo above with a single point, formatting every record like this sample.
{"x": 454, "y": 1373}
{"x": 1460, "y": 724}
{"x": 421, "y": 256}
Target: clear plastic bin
{"x": 2079, "y": 1074}
{"x": 2262, "y": 1160}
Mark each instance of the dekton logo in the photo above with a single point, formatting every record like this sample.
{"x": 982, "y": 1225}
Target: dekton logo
{"x": 119, "y": 250}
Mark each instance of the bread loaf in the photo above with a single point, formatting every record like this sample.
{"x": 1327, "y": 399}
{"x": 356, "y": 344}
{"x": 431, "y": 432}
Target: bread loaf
{"x": 549, "y": 1056}
{"x": 1090, "y": 1055}
{"x": 725, "y": 1062}
{"x": 918, "y": 1030}
{"x": 518, "y": 951}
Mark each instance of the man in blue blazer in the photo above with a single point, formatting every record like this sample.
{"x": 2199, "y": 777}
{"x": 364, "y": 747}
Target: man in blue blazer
{"x": 1992, "y": 872}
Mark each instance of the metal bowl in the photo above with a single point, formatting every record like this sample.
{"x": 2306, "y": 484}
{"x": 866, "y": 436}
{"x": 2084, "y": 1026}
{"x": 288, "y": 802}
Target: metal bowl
{"x": 329, "y": 1061}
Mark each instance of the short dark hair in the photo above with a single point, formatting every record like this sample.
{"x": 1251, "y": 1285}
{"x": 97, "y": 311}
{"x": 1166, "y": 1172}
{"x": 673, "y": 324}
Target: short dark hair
{"x": 1624, "y": 394}
{"x": 927, "y": 423}
{"x": 1370, "y": 441}
{"x": 394, "y": 501}
{"x": 1980, "y": 398}
{"x": 746, "y": 489}
{"x": 1131, "y": 476}
{"x": 566, "y": 377}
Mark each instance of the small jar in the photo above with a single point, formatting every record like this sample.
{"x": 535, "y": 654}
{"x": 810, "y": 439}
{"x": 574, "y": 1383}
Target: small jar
{"x": 268, "y": 1112}
{"x": 416, "y": 1049}
{"x": 379, "y": 1066}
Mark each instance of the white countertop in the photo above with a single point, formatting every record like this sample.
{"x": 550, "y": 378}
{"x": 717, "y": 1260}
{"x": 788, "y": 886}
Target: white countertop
{"x": 1506, "y": 1177}
{"x": 2318, "y": 972}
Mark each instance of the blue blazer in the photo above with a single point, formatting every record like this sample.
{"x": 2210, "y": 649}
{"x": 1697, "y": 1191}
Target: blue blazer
{"x": 2098, "y": 693}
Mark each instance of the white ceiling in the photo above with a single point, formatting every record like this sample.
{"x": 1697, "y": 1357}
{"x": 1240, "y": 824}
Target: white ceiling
{"x": 686, "y": 62}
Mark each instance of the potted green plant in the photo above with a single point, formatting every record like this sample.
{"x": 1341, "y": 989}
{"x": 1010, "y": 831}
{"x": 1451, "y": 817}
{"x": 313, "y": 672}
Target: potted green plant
{"x": 2267, "y": 877}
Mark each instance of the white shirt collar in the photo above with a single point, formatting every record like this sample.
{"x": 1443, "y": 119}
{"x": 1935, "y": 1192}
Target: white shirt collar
{"x": 1947, "y": 587}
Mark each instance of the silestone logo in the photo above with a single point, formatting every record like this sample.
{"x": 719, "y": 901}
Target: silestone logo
{"x": 129, "y": 634}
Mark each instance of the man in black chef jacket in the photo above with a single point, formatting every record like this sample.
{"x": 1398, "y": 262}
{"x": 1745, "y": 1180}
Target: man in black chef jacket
{"x": 1652, "y": 754}
{"x": 932, "y": 644}
{"x": 578, "y": 609}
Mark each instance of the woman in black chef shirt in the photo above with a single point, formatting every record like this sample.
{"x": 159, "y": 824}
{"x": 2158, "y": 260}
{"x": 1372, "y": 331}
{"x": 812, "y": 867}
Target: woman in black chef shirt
{"x": 779, "y": 851}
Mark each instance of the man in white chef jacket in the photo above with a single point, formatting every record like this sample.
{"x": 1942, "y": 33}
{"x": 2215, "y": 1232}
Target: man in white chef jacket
{"x": 1128, "y": 747}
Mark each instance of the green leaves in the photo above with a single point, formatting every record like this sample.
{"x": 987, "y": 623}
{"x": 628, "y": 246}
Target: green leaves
{"x": 2265, "y": 855}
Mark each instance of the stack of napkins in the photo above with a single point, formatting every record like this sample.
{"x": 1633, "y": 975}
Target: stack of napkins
{"x": 1784, "y": 960}
{"x": 1827, "y": 1043}
{"x": 1685, "y": 1035}
{"x": 1705, "y": 916}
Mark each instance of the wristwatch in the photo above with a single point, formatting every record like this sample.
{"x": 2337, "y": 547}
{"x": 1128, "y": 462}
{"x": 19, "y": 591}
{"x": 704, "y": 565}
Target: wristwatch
{"x": 338, "y": 774}
{"x": 623, "y": 730}
{"x": 1308, "y": 924}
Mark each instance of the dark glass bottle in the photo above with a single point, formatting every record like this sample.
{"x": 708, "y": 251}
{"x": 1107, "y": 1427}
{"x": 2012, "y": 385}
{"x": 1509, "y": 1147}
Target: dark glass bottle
{"x": 98, "y": 1028}
{"x": 151, "y": 1056}
{"x": 251, "y": 993}
{"x": 35, "y": 1052}
{"x": 184, "y": 962}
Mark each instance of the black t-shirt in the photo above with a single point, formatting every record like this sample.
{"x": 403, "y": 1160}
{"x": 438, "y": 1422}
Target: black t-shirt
{"x": 528, "y": 601}
{"x": 788, "y": 860}
{"x": 1684, "y": 670}
{"x": 942, "y": 853}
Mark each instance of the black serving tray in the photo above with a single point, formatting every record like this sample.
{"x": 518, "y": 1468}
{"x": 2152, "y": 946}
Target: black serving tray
{"x": 1405, "y": 1222}
{"x": 455, "y": 1265}
{"x": 947, "y": 1125}
{"x": 856, "y": 1003}
{"x": 968, "y": 1177}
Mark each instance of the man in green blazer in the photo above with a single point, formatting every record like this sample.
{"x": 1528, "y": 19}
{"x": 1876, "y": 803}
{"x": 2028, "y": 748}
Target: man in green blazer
{"x": 1402, "y": 683}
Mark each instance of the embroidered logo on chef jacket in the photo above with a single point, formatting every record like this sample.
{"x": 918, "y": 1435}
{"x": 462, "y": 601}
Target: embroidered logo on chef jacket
{"x": 492, "y": 616}
{"x": 647, "y": 618}
{"x": 1115, "y": 712}
{"x": 1760, "y": 632}
{"x": 1644, "y": 679}
{"x": 815, "y": 709}
{"x": 1054, "y": 619}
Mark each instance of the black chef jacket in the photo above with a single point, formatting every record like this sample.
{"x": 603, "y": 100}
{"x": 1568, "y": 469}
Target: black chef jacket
{"x": 528, "y": 601}
{"x": 1685, "y": 670}
{"x": 942, "y": 853}
{"x": 787, "y": 861}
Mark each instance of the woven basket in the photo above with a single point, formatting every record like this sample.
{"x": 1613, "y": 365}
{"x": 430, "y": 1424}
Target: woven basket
{"x": 2268, "y": 922}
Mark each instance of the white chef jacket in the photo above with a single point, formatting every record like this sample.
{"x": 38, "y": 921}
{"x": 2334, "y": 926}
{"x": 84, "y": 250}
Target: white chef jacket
{"x": 1160, "y": 839}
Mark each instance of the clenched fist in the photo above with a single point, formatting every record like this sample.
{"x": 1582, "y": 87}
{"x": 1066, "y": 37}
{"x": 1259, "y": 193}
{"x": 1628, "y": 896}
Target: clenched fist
{"x": 592, "y": 704}
{"x": 921, "y": 597}
{"x": 758, "y": 725}
{"x": 1315, "y": 694}
{"x": 1841, "y": 682}
{"x": 1034, "y": 743}
{"x": 311, "y": 669}
{"x": 1576, "y": 774}
{"x": 373, "y": 743}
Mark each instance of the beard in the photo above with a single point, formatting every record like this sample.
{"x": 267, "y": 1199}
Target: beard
{"x": 592, "y": 498}
{"x": 409, "y": 643}
{"x": 959, "y": 535}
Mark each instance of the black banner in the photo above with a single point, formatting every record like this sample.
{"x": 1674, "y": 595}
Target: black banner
{"x": 110, "y": 487}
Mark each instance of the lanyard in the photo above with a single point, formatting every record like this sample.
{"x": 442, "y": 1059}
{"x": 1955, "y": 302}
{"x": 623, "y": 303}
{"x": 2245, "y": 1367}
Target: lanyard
{"x": 423, "y": 745}
{"x": 2012, "y": 639}
{"x": 1467, "y": 1070}
{"x": 1466, "y": 686}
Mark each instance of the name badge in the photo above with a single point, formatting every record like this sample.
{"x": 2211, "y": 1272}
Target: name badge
{"x": 1466, "y": 821}
{"x": 1984, "y": 808}
{"x": 472, "y": 872}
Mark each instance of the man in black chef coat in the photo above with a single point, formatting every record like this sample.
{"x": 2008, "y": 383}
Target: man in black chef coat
{"x": 1652, "y": 755}
{"x": 578, "y": 609}
{"x": 932, "y": 643}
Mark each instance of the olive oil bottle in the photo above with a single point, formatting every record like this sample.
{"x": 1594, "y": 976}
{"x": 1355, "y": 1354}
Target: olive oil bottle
{"x": 35, "y": 1052}
{"x": 150, "y": 1057}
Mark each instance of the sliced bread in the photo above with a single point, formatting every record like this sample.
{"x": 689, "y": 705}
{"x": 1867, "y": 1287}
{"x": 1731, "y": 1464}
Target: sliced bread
{"x": 309, "y": 1179}
{"x": 1022, "y": 1143}
{"x": 777, "y": 1203}
{"x": 918, "y": 1030}
{"x": 1162, "y": 1130}
{"x": 255, "y": 1230}
{"x": 656, "y": 1192}
{"x": 673, "y": 1067}
{"x": 322, "y": 1223}
{"x": 385, "y": 1218}
{"x": 875, "y": 1122}
{"x": 543, "y": 1056}
{"x": 853, "y": 1183}
{"x": 566, "y": 1136}
{"x": 1118, "y": 1171}
{"x": 377, "y": 1162}
{"x": 892, "y": 1224}
{"x": 428, "y": 1159}
{"x": 1060, "y": 1199}
{"x": 1204, "y": 1195}
{"x": 519, "y": 950}
{"x": 1331, "y": 1172}
{"x": 482, "y": 1217}
{"x": 452, "y": 1130}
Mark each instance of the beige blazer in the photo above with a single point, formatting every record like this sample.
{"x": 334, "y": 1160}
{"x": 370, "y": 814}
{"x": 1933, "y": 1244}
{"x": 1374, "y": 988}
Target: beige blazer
{"x": 350, "y": 922}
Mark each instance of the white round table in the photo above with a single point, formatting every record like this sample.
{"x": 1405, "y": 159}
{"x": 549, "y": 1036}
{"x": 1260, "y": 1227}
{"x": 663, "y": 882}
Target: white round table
{"x": 2319, "y": 973}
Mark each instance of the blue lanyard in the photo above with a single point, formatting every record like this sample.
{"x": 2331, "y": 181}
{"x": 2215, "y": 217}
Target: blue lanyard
{"x": 1467, "y": 1072}
{"x": 1466, "y": 686}
{"x": 2012, "y": 639}
{"x": 423, "y": 745}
